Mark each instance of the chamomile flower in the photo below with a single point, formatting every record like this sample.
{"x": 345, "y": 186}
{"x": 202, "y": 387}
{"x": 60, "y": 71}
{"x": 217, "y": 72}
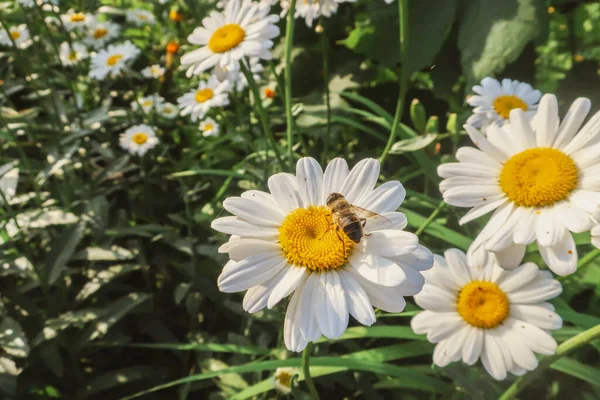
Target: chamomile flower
{"x": 167, "y": 110}
{"x": 138, "y": 139}
{"x": 484, "y": 312}
{"x": 112, "y": 60}
{"x": 311, "y": 10}
{"x": 72, "y": 54}
{"x": 153, "y": 71}
{"x": 209, "y": 94}
{"x": 540, "y": 177}
{"x": 209, "y": 127}
{"x": 284, "y": 242}
{"x": 494, "y": 101}
{"x": 76, "y": 20}
{"x": 596, "y": 236}
{"x": 268, "y": 92}
{"x": 237, "y": 79}
{"x": 139, "y": 17}
{"x": 282, "y": 379}
{"x": 147, "y": 103}
{"x": 243, "y": 29}
{"x": 19, "y": 35}
{"x": 100, "y": 33}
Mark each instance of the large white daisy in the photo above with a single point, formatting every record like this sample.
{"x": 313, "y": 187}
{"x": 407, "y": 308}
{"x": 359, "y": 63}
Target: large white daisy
{"x": 484, "y": 312}
{"x": 243, "y": 29}
{"x": 19, "y": 34}
{"x": 71, "y": 54}
{"x": 74, "y": 20}
{"x": 540, "y": 177}
{"x": 209, "y": 94}
{"x": 100, "y": 33}
{"x": 112, "y": 60}
{"x": 138, "y": 139}
{"x": 285, "y": 242}
{"x": 494, "y": 101}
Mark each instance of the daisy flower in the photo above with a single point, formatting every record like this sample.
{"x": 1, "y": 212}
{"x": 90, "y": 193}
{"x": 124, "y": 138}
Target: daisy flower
{"x": 19, "y": 34}
{"x": 209, "y": 127}
{"x": 138, "y": 139}
{"x": 282, "y": 379}
{"x": 238, "y": 80}
{"x": 268, "y": 92}
{"x": 495, "y": 100}
{"x": 209, "y": 94}
{"x": 153, "y": 71}
{"x": 243, "y": 29}
{"x": 72, "y": 54}
{"x": 285, "y": 242}
{"x": 167, "y": 110}
{"x": 112, "y": 60}
{"x": 540, "y": 177}
{"x": 76, "y": 20}
{"x": 100, "y": 33}
{"x": 147, "y": 103}
{"x": 139, "y": 17}
{"x": 484, "y": 312}
{"x": 311, "y": 10}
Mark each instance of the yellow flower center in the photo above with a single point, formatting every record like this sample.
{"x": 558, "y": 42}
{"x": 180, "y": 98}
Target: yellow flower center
{"x": 308, "y": 239}
{"x": 226, "y": 38}
{"x": 140, "y": 138}
{"x": 284, "y": 378}
{"x": 208, "y": 127}
{"x": 15, "y": 35}
{"x": 100, "y": 33}
{"x": 78, "y": 17}
{"x": 72, "y": 56}
{"x": 147, "y": 103}
{"x": 112, "y": 60}
{"x": 167, "y": 110}
{"x": 482, "y": 304}
{"x": 538, "y": 177}
{"x": 503, "y": 105}
{"x": 203, "y": 95}
{"x": 142, "y": 17}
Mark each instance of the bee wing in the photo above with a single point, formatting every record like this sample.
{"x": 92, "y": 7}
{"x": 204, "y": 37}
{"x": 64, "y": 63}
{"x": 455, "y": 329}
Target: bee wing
{"x": 372, "y": 219}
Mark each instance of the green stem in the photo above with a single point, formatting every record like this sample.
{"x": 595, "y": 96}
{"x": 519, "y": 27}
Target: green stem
{"x": 403, "y": 10}
{"x": 306, "y": 370}
{"x": 566, "y": 347}
{"x": 430, "y": 219}
{"x": 325, "y": 50}
{"x": 289, "y": 40}
{"x": 264, "y": 119}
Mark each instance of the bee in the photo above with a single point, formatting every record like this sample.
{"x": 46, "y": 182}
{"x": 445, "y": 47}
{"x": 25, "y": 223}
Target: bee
{"x": 349, "y": 218}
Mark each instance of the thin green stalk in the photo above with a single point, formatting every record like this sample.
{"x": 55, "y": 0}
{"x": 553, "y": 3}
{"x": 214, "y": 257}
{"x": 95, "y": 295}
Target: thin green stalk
{"x": 306, "y": 370}
{"x": 264, "y": 118}
{"x": 289, "y": 40}
{"x": 430, "y": 219}
{"x": 403, "y": 10}
{"x": 325, "y": 51}
{"x": 566, "y": 347}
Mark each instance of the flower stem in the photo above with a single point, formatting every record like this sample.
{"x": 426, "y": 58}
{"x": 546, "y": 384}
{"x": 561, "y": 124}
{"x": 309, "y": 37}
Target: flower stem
{"x": 430, "y": 219}
{"x": 264, "y": 119}
{"x": 325, "y": 51}
{"x": 566, "y": 347}
{"x": 289, "y": 40}
{"x": 306, "y": 370}
{"x": 403, "y": 10}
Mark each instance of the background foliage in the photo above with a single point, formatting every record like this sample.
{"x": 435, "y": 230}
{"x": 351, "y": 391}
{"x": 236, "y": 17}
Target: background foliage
{"x": 108, "y": 262}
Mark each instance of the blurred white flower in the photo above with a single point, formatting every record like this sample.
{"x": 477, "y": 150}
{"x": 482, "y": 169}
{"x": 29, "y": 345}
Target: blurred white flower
{"x": 494, "y": 101}
{"x": 209, "y": 127}
{"x": 138, "y": 139}
{"x": 19, "y": 34}
{"x": 237, "y": 79}
{"x": 26, "y": 3}
{"x": 112, "y": 60}
{"x": 77, "y": 20}
{"x": 243, "y": 29}
{"x": 147, "y": 103}
{"x": 72, "y": 54}
{"x": 167, "y": 110}
{"x": 153, "y": 71}
{"x": 139, "y": 17}
{"x": 100, "y": 33}
{"x": 484, "y": 312}
{"x": 9, "y": 177}
{"x": 311, "y": 10}
{"x": 282, "y": 379}
{"x": 209, "y": 94}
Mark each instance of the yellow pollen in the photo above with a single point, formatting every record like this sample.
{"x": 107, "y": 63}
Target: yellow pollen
{"x": 208, "y": 127}
{"x": 503, "y": 105}
{"x": 112, "y": 60}
{"x": 226, "y": 38}
{"x": 203, "y": 95}
{"x": 79, "y": 17}
{"x": 100, "y": 33}
{"x": 538, "y": 177}
{"x": 147, "y": 103}
{"x": 15, "y": 35}
{"x": 482, "y": 304}
{"x": 72, "y": 56}
{"x": 308, "y": 239}
{"x": 284, "y": 379}
{"x": 140, "y": 138}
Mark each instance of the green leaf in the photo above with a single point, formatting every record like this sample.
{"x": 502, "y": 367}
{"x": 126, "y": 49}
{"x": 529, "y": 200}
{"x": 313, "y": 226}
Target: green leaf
{"x": 12, "y": 338}
{"x": 577, "y": 369}
{"x": 214, "y": 347}
{"x": 381, "y": 331}
{"x": 63, "y": 248}
{"x": 97, "y": 279}
{"x": 413, "y": 144}
{"x": 117, "y": 377}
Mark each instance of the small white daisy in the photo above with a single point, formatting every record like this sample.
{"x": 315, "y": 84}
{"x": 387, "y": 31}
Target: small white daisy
{"x": 112, "y": 60}
{"x": 540, "y": 177}
{"x": 285, "y": 242}
{"x": 209, "y": 94}
{"x": 100, "y": 33}
{"x": 148, "y": 103}
{"x": 167, "y": 110}
{"x": 19, "y": 34}
{"x": 209, "y": 127}
{"x": 243, "y": 29}
{"x": 268, "y": 92}
{"x": 72, "y": 54}
{"x": 138, "y": 139}
{"x": 77, "y": 20}
{"x": 484, "y": 312}
{"x": 494, "y": 101}
{"x": 139, "y": 16}
{"x": 310, "y": 10}
{"x": 282, "y": 379}
{"x": 153, "y": 71}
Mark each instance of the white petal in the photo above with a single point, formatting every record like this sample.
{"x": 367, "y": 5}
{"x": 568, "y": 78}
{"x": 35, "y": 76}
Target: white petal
{"x": 448, "y": 324}
{"x": 334, "y": 177}
{"x": 331, "y": 305}
{"x": 572, "y": 121}
{"x": 359, "y": 304}
{"x": 440, "y": 357}
{"x": 488, "y": 148}
{"x": 537, "y": 339}
{"x": 481, "y": 210}
{"x": 386, "y": 298}
{"x": 250, "y": 272}
{"x": 536, "y": 315}
{"x": 237, "y": 226}
{"x": 550, "y": 230}
{"x": 244, "y": 248}
{"x": 378, "y": 270}
{"x": 292, "y": 277}
{"x": 421, "y": 259}
{"x": 562, "y": 257}
{"x": 511, "y": 281}
{"x": 389, "y": 243}
{"x": 256, "y": 297}
{"x": 285, "y": 192}
{"x": 457, "y": 263}
{"x": 491, "y": 358}
{"x": 291, "y": 330}
{"x": 390, "y": 220}
{"x": 536, "y": 291}
{"x": 425, "y": 321}
{"x": 545, "y": 123}
{"x": 310, "y": 181}
{"x": 435, "y": 299}
{"x": 308, "y": 306}
{"x": 362, "y": 179}
{"x": 473, "y": 346}
{"x": 522, "y": 128}
{"x": 522, "y": 354}
{"x": 253, "y": 211}
{"x": 386, "y": 198}
{"x": 525, "y": 231}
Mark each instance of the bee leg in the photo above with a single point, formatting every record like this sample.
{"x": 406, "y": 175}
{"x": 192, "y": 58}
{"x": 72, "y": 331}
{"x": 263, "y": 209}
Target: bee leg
{"x": 328, "y": 228}
{"x": 337, "y": 228}
{"x": 364, "y": 222}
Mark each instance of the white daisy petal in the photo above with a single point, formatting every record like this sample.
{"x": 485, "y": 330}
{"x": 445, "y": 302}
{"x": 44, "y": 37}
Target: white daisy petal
{"x": 250, "y": 272}
{"x": 386, "y": 198}
{"x": 292, "y": 278}
{"x": 291, "y": 330}
{"x": 536, "y": 315}
{"x": 491, "y": 358}
{"x": 359, "y": 304}
{"x": 562, "y": 257}
{"x": 362, "y": 179}
{"x": 572, "y": 121}
{"x": 253, "y": 211}
{"x": 310, "y": 180}
{"x": 334, "y": 177}
{"x": 331, "y": 305}
{"x": 284, "y": 189}
{"x": 545, "y": 123}
{"x": 473, "y": 346}
{"x": 237, "y": 226}
{"x": 389, "y": 243}
{"x": 379, "y": 270}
